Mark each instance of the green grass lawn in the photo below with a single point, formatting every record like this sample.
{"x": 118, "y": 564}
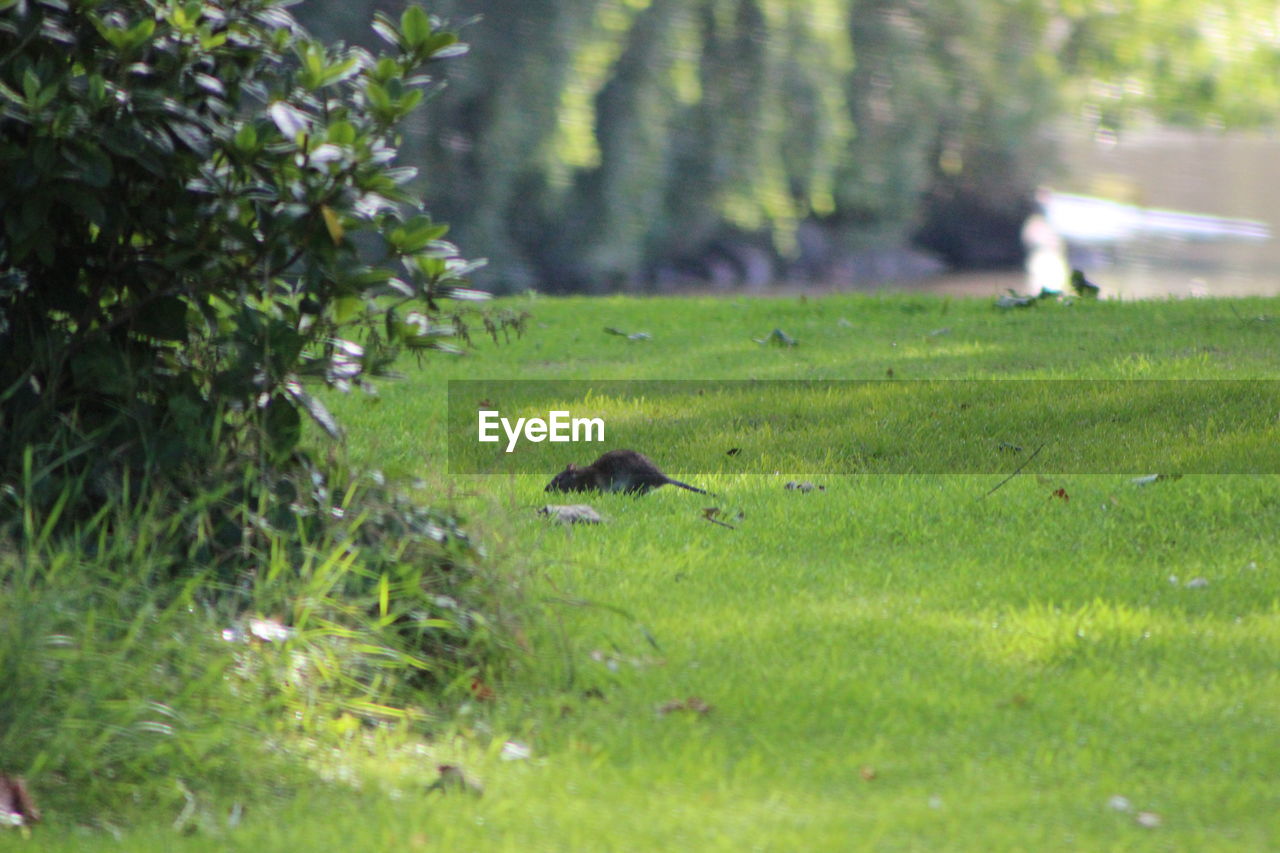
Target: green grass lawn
{"x": 895, "y": 662}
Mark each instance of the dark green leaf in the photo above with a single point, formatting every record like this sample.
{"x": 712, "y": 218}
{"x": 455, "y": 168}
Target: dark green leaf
{"x": 192, "y": 136}
{"x": 164, "y": 318}
{"x": 377, "y": 95}
{"x": 283, "y": 425}
{"x": 438, "y": 42}
{"x": 340, "y": 71}
{"x": 415, "y": 234}
{"x": 30, "y": 87}
{"x": 415, "y": 27}
{"x": 246, "y": 138}
{"x": 341, "y": 133}
{"x": 92, "y": 163}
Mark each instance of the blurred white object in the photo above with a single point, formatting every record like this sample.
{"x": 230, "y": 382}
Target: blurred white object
{"x": 1098, "y": 221}
{"x": 1047, "y": 267}
{"x": 515, "y": 751}
{"x": 267, "y": 630}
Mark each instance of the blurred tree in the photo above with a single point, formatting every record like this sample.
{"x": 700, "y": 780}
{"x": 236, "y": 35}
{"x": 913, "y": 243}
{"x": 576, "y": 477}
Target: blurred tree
{"x": 595, "y": 144}
{"x": 1189, "y": 62}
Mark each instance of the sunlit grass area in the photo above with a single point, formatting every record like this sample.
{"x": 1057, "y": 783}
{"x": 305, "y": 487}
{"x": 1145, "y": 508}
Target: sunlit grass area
{"x": 884, "y": 662}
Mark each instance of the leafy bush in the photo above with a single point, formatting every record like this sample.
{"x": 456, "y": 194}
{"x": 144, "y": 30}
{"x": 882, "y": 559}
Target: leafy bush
{"x": 199, "y": 210}
{"x": 201, "y": 213}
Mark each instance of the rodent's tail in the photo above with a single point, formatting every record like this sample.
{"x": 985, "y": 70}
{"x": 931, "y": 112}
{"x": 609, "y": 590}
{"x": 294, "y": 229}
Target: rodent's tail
{"x": 687, "y": 486}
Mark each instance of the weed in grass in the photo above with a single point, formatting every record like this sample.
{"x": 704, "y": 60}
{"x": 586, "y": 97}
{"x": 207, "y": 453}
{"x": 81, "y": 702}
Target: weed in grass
{"x": 138, "y": 677}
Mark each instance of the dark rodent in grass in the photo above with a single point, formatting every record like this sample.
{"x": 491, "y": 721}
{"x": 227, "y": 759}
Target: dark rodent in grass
{"x": 615, "y": 471}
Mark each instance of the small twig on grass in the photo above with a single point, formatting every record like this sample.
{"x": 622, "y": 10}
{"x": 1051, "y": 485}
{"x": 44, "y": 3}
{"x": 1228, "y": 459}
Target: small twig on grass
{"x": 710, "y": 513}
{"x": 1033, "y": 455}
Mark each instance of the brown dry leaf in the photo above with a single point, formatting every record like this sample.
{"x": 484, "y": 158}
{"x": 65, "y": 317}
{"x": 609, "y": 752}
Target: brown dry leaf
{"x": 867, "y": 772}
{"x": 453, "y": 780}
{"x": 693, "y": 704}
{"x": 481, "y": 691}
{"x": 17, "y": 807}
{"x": 710, "y": 513}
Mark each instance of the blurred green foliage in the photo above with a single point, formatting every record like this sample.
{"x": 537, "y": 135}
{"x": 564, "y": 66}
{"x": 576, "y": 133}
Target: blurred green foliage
{"x": 593, "y": 144}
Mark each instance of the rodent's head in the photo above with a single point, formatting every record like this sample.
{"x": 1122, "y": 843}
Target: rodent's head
{"x": 566, "y": 481}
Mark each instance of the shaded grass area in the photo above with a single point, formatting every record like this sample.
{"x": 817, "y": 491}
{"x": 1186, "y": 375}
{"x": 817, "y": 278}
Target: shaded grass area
{"x": 840, "y": 338}
{"x": 894, "y": 663}
{"x": 879, "y": 426}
